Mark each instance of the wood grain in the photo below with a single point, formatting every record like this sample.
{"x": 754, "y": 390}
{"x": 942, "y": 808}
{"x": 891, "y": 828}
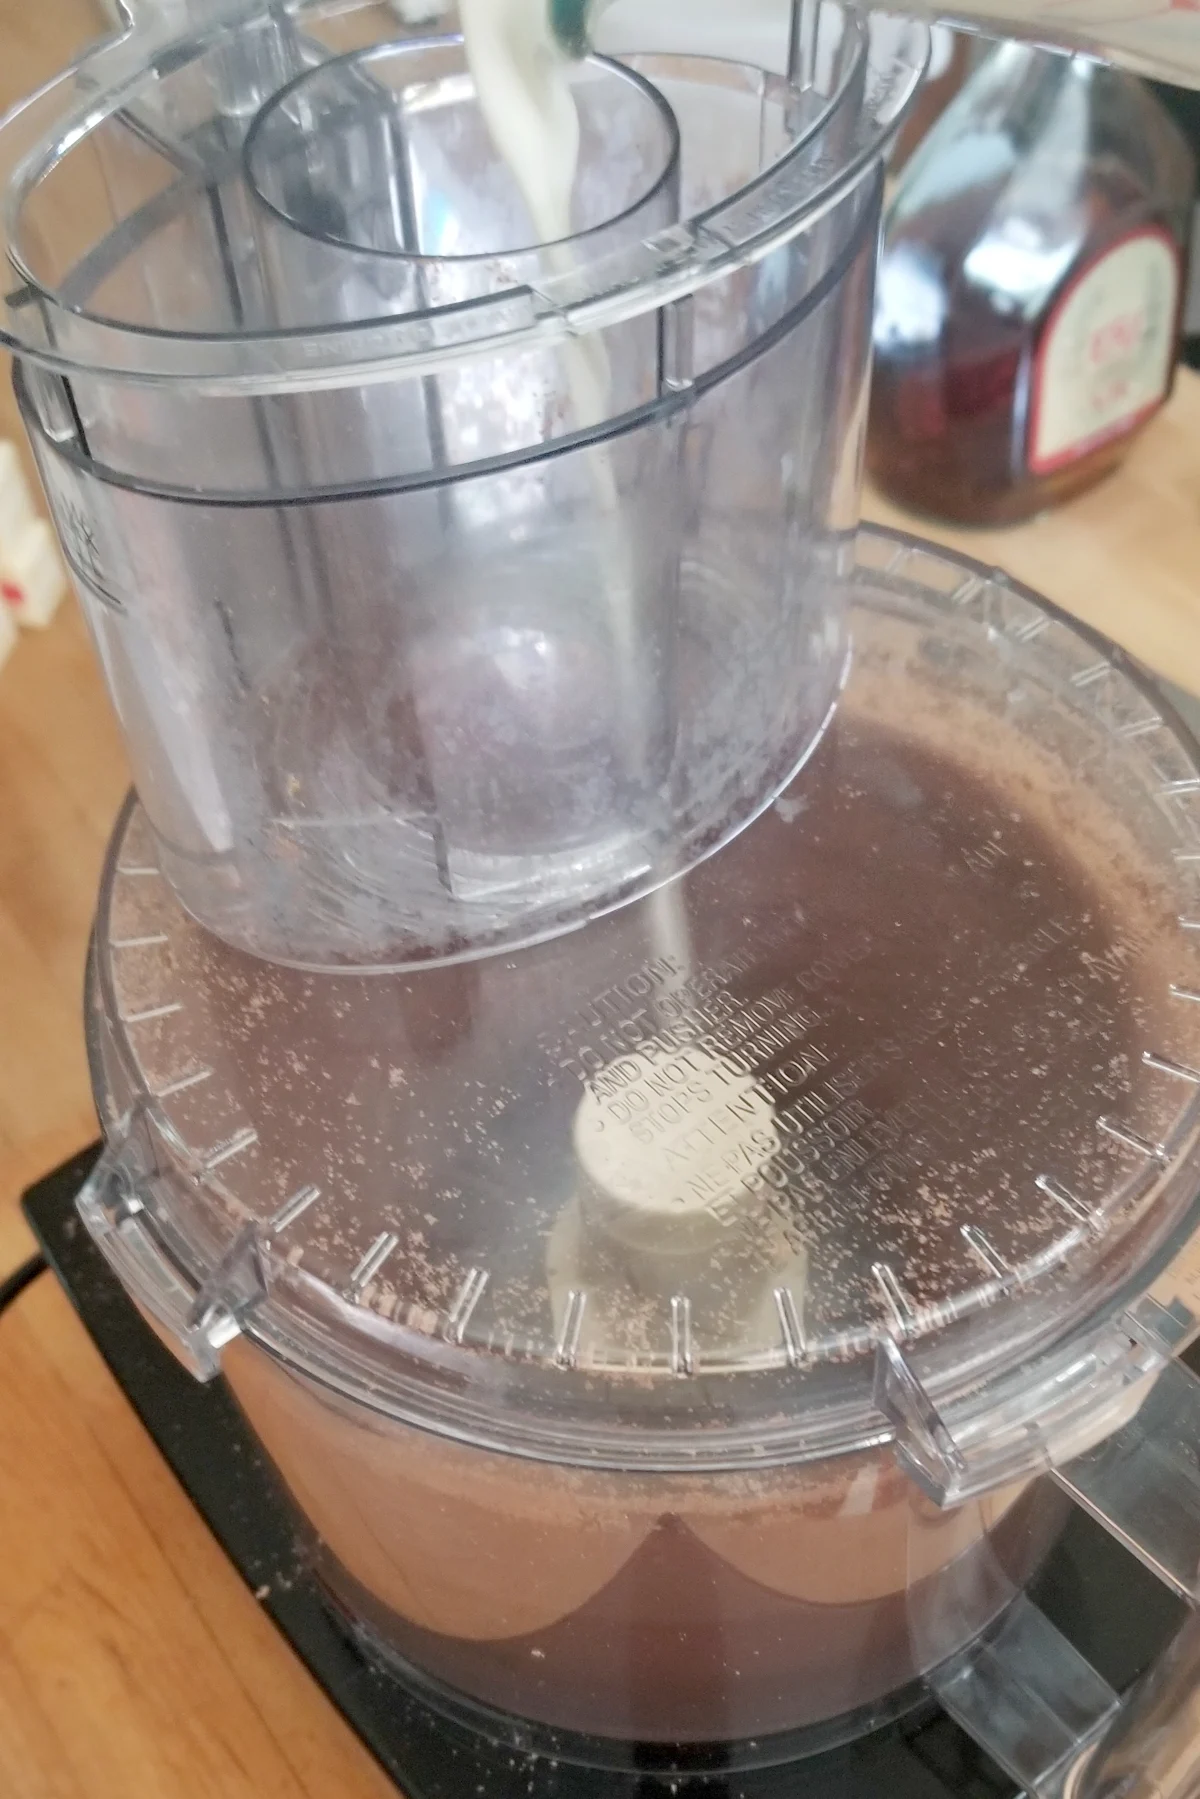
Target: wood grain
{"x": 133, "y": 1664}
{"x": 62, "y": 772}
{"x": 1124, "y": 557}
{"x": 138, "y": 1662}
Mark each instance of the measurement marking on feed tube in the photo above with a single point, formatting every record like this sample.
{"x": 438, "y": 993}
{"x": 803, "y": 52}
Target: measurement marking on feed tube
{"x": 149, "y": 1013}
{"x": 195, "y": 1079}
{"x": 967, "y": 591}
{"x": 985, "y": 1251}
{"x": 791, "y": 1325}
{"x": 1121, "y": 1133}
{"x": 903, "y": 1311}
{"x": 293, "y": 1208}
{"x": 1074, "y": 1208}
{"x": 365, "y": 1270}
{"x": 225, "y": 1152}
{"x": 567, "y": 1349}
{"x": 1141, "y": 727}
{"x": 465, "y": 1301}
{"x": 682, "y": 1360}
{"x": 1165, "y": 1065}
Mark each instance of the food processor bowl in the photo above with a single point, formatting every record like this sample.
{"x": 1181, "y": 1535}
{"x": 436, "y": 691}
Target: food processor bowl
{"x": 451, "y": 588}
{"x": 689, "y": 1339}
{"x": 679, "y": 1290}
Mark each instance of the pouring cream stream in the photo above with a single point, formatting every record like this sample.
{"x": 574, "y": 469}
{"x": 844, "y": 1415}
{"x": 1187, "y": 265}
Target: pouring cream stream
{"x": 519, "y": 53}
{"x": 521, "y": 76}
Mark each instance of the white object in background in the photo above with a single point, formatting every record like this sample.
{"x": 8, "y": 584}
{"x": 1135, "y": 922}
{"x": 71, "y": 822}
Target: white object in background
{"x": 941, "y": 49}
{"x": 17, "y": 509}
{"x": 8, "y": 633}
{"x": 32, "y": 581}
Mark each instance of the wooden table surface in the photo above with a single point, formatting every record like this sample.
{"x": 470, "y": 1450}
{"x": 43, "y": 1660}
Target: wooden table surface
{"x": 133, "y": 1664}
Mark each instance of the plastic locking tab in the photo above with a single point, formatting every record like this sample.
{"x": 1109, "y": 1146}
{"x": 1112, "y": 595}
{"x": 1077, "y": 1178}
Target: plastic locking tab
{"x": 194, "y": 1321}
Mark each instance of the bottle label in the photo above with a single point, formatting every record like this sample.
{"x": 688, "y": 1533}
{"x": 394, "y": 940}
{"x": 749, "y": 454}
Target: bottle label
{"x": 1105, "y": 359}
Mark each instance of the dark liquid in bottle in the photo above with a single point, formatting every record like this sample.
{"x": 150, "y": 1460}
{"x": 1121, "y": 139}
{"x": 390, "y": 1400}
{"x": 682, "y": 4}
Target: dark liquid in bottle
{"x": 950, "y": 418}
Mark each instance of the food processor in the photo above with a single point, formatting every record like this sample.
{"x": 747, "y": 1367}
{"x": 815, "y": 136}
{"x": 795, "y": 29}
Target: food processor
{"x": 649, "y": 1036}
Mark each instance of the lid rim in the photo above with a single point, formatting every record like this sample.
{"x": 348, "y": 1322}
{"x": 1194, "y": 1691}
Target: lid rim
{"x": 752, "y": 1445}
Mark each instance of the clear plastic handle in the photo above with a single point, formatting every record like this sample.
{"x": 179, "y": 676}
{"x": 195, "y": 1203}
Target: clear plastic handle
{"x": 1143, "y": 1482}
{"x": 1024, "y": 1694}
{"x": 1119, "y": 1432}
{"x": 1152, "y": 1748}
{"x": 1021, "y": 1690}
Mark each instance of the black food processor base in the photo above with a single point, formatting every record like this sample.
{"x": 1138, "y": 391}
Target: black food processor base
{"x": 1097, "y": 1595}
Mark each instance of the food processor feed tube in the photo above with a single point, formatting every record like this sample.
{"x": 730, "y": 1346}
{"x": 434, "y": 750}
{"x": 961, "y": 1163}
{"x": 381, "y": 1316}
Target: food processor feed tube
{"x": 452, "y": 587}
{"x": 520, "y": 75}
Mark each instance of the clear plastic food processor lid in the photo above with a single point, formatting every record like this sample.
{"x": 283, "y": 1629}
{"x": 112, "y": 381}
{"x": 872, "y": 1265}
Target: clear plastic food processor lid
{"x": 246, "y": 199}
{"x": 905, "y": 1076}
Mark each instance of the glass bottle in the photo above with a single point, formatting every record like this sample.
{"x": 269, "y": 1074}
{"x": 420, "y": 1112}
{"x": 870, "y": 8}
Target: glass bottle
{"x": 952, "y": 56}
{"x": 1028, "y": 310}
